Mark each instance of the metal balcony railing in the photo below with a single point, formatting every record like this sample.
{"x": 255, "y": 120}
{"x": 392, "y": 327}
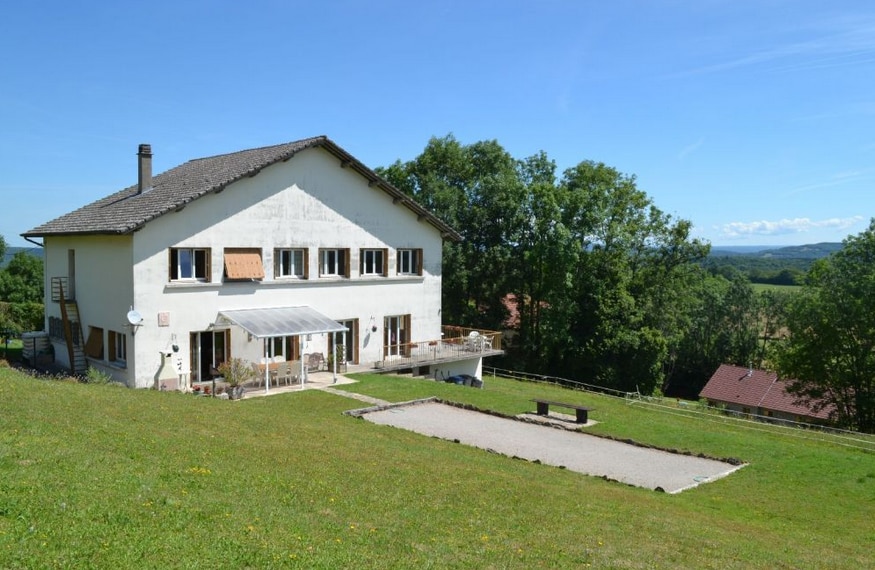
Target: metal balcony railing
{"x": 456, "y": 343}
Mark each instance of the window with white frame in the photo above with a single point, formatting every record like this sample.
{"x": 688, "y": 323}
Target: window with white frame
{"x": 118, "y": 347}
{"x": 189, "y": 264}
{"x": 290, "y": 262}
{"x": 409, "y": 262}
{"x": 372, "y": 262}
{"x": 333, "y": 262}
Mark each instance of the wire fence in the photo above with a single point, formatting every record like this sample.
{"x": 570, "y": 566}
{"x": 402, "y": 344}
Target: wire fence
{"x": 704, "y": 412}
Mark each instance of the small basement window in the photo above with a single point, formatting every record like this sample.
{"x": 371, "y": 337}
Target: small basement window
{"x": 118, "y": 347}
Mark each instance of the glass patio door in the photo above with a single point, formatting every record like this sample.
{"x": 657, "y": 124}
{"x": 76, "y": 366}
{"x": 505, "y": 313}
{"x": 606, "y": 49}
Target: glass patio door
{"x": 345, "y": 342}
{"x": 396, "y": 335}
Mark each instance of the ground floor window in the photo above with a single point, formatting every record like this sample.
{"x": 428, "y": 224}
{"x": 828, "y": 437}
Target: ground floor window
{"x": 118, "y": 348}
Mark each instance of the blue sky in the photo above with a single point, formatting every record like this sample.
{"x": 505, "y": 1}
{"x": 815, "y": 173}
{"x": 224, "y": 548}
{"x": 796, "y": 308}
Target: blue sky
{"x": 753, "y": 119}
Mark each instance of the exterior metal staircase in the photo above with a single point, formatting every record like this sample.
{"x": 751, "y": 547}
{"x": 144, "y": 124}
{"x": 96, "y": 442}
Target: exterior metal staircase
{"x": 72, "y": 328}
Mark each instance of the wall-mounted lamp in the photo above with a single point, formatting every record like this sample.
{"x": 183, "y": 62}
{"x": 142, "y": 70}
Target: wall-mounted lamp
{"x": 373, "y": 324}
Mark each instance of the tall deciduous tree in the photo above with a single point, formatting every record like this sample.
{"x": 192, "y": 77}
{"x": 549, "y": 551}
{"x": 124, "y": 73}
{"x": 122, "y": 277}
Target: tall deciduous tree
{"x": 634, "y": 259}
{"x": 830, "y": 351}
{"x": 722, "y": 327}
{"x": 476, "y": 189}
{"x": 597, "y": 270}
{"x": 21, "y": 281}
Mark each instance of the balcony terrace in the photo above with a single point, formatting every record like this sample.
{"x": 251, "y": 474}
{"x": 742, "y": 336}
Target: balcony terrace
{"x": 456, "y": 344}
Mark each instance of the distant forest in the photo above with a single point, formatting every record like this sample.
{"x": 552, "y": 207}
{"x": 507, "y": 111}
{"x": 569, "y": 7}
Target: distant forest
{"x": 782, "y": 266}
{"x": 11, "y": 251}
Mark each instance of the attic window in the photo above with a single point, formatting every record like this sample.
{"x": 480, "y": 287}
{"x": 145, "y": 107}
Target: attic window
{"x": 243, "y": 264}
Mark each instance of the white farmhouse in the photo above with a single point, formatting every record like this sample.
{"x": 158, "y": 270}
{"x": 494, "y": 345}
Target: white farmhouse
{"x": 270, "y": 255}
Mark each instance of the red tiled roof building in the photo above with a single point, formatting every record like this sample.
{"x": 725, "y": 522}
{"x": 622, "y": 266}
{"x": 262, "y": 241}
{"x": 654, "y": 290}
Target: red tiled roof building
{"x": 759, "y": 392}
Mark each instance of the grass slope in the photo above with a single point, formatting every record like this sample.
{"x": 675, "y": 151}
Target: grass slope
{"x": 104, "y": 477}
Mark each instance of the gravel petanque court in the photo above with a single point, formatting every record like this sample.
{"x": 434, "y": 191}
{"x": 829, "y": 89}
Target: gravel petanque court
{"x": 580, "y": 452}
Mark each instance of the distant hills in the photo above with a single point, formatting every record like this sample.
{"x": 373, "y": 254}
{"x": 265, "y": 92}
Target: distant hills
{"x": 11, "y": 251}
{"x": 810, "y": 251}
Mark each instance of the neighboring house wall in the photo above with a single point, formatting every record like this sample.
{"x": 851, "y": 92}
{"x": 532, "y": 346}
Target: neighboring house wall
{"x": 762, "y": 412}
{"x": 307, "y": 202}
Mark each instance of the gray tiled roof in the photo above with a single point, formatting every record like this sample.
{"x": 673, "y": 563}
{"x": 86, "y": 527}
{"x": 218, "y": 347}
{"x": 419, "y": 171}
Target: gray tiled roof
{"x": 127, "y": 210}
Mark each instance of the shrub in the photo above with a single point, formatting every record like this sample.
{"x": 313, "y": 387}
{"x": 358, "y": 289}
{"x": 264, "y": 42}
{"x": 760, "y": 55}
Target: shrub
{"x": 95, "y": 376}
{"x": 236, "y": 371}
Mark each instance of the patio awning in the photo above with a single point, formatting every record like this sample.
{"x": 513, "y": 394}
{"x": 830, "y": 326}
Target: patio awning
{"x": 280, "y": 321}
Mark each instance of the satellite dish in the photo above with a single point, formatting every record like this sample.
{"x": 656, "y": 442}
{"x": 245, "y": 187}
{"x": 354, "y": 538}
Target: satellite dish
{"x": 134, "y": 317}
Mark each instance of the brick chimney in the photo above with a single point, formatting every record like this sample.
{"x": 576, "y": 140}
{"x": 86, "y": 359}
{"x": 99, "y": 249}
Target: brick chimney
{"x": 144, "y": 169}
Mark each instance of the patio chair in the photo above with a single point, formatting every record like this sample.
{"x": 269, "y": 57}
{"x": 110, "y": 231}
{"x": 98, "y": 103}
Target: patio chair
{"x": 474, "y": 341}
{"x": 314, "y": 361}
{"x": 283, "y": 373}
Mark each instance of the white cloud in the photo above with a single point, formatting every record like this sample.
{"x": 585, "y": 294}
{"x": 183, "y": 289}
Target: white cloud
{"x": 785, "y": 226}
{"x": 689, "y": 149}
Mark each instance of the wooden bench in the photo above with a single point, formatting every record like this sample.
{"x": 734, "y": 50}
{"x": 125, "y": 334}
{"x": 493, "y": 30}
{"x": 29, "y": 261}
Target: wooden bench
{"x": 582, "y": 411}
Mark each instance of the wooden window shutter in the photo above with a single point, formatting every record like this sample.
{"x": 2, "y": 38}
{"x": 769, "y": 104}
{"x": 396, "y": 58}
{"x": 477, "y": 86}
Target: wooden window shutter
{"x": 173, "y": 265}
{"x": 94, "y": 344}
{"x": 243, "y": 264}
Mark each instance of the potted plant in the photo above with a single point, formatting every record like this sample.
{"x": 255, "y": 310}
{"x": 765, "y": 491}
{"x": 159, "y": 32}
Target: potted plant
{"x": 236, "y": 372}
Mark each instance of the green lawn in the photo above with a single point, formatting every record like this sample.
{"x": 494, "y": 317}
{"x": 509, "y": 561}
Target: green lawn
{"x": 106, "y": 477}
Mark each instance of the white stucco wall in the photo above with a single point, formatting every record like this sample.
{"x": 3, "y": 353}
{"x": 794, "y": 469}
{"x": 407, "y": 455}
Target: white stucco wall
{"x": 309, "y": 201}
{"x": 103, "y": 289}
